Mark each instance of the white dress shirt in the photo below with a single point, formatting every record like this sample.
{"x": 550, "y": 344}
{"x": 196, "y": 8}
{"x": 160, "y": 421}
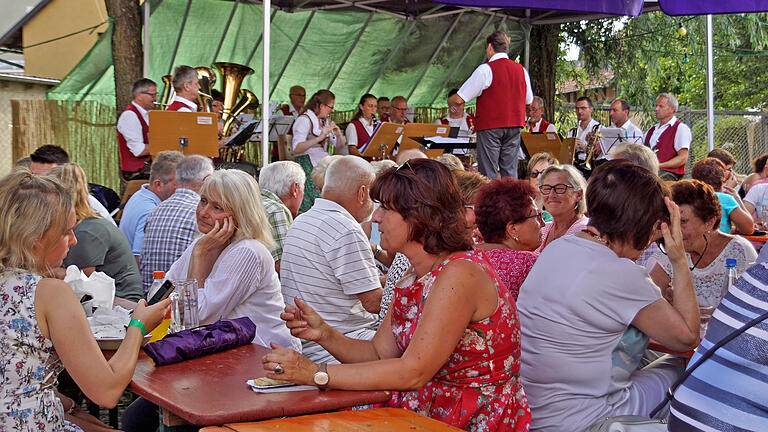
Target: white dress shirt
{"x": 351, "y": 131}
{"x": 682, "y": 137}
{"x": 190, "y": 106}
{"x": 482, "y": 78}
{"x": 582, "y": 135}
{"x": 632, "y": 133}
{"x": 130, "y": 127}
{"x": 304, "y": 124}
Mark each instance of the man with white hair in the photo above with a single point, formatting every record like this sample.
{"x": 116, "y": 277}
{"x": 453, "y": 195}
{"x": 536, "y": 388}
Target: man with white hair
{"x": 172, "y": 225}
{"x": 669, "y": 138}
{"x": 327, "y": 261}
{"x": 282, "y": 190}
{"x": 187, "y": 87}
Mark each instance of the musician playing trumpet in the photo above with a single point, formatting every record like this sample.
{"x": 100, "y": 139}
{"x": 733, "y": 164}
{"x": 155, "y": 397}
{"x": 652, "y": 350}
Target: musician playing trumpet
{"x": 133, "y": 131}
{"x": 361, "y": 127}
{"x": 187, "y": 87}
{"x": 583, "y": 130}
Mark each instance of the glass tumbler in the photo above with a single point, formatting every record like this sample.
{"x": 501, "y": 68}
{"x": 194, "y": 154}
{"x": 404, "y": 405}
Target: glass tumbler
{"x": 184, "y": 313}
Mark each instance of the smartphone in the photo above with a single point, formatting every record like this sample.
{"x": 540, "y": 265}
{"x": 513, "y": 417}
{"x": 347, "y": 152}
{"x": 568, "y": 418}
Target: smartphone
{"x": 162, "y": 293}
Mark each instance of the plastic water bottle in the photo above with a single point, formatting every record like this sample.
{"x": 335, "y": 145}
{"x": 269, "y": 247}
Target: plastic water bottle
{"x": 159, "y": 278}
{"x": 730, "y": 265}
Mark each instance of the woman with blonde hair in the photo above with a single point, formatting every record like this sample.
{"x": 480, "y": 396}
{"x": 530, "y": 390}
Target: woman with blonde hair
{"x": 101, "y": 246}
{"x": 564, "y": 190}
{"x": 43, "y": 329}
{"x": 231, "y": 262}
{"x": 536, "y": 166}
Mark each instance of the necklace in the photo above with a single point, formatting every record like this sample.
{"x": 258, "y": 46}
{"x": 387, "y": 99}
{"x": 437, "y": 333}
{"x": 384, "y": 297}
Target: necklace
{"x": 594, "y": 236}
{"x": 562, "y": 230}
{"x": 706, "y": 245}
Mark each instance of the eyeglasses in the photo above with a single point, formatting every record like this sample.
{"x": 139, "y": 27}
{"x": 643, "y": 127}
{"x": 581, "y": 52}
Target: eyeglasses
{"x": 407, "y": 164}
{"x": 299, "y": 94}
{"x": 535, "y": 174}
{"x": 400, "y": 109}
{"x": 329, "y": 106}
{"x": 149, "y": 93}
{"x": 538, "y": 215}
{"x": 578, "y": 108}
{"x": 559, "y": 188}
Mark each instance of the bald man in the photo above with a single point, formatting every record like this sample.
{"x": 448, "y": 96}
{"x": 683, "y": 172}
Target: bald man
{"x": 297, "y": 95}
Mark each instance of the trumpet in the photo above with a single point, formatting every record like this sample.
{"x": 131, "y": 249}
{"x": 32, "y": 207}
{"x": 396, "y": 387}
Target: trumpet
{"x": 590, "y": 150}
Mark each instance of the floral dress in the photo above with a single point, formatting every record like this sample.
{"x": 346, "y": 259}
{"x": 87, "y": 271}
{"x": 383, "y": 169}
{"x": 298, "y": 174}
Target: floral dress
{"x": 479, "y": 387}
{"x": 28, "y": 363}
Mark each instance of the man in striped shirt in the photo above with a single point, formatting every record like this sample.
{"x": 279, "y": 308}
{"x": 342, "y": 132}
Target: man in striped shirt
{"x": 327, "y": 260}
{"x": 729, "y": 391}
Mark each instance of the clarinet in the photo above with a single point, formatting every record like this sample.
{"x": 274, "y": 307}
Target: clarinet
{"x": 374, "y": 121}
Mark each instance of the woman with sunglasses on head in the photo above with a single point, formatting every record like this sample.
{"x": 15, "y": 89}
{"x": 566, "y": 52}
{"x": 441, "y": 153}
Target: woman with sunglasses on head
{"x": 510, "y": 223}
{"x": 564, "y": 191}
{"x": 536, "y": 166}
{"x": 706, "y": 246}
{"x": 583, "y": 293}
{"x": 449, "y": 344}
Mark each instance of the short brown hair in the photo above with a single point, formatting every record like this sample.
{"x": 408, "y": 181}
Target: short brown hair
{"x": 499, "y": 41}
{"x": 723, "y": 155}
{"x": 426, "y": 195}
{"x": 625, "y": 201}
{"x": 711, "y": 171}
{"x": 758, "y": 164}
{"x": 701, "y": 197}
{"x": 469, "y": 183}
{"x": 500, "y": 202}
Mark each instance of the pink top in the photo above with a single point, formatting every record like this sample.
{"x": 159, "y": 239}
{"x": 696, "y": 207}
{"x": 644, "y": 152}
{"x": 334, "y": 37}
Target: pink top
{"x": 512, "y": 266}
{"x": 580, "y": 224}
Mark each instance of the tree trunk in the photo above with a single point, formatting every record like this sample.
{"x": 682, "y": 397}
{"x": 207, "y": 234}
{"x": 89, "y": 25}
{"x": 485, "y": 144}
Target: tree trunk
{"x": 127, "y": 51}
{"x": 543, "y": 62}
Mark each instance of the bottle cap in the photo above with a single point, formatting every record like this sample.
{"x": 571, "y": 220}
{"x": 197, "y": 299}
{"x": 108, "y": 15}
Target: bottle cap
{"x": 161, "y": 274}
{"x": 730, "y": 262}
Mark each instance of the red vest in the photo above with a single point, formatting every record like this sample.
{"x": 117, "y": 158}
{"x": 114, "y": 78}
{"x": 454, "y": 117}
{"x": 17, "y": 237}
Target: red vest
{"x": 129, "y": 162}
{"x": 177, "y": 105}
{"x": 362, "y": 134}
{"x": 542, "y": 126}
{"x": 665, "y": 147}
{"x": 469, "y": 118}
{"x": 503, "y": 103}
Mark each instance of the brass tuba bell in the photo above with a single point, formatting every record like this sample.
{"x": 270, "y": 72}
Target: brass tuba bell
{"x": 206, "y": 77}
{"x": 232, "y": 75}
{"x": 168, "y": 92}
{"x": 247, "y": 99}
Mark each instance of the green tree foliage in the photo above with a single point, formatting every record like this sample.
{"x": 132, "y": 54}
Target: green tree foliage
{"x": 649, "y": 55}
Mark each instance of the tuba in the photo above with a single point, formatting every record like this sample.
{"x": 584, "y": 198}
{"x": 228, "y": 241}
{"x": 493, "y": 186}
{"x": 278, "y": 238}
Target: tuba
{"x": 232, "y": 75}
{"x": 247, "y": 99}
{"x": 206, "y": 78}
{"x": 168, "y": 92}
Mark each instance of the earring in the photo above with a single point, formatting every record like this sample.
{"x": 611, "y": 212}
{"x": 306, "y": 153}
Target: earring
{"x": 516, "y": 238}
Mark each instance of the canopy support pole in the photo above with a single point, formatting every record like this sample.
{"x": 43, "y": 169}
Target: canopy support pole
{"x": 181, "y": 32}
{"x": 351, "y": 48}
{"x": 527, "y": 46}
{"x": 435, "y": 53}
{"x": 226, "y": 30}
{"x": 265, "y": 86}
{"x": 392, "y": 55}
{"x": 145, "y": 68}
{"x": 710, "y": 88}
{"x": 258, "y": 41}
{"x": 463, "y": 57}
{"x": 293, "y": 50}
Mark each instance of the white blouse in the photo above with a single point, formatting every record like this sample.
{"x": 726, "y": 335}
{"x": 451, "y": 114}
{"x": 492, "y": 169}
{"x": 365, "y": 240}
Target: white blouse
{"x": 242, "y": 282}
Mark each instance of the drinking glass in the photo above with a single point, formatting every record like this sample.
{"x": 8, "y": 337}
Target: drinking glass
{"x": 705, "y": 312}
{"x": 184, "y": 313}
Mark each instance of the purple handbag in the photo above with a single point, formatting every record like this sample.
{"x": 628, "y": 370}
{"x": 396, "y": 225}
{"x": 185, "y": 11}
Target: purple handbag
{"x": 193, "y": 343}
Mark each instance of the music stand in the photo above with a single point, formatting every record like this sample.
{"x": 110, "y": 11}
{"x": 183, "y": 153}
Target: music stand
{"x": 243, "y": 135}
{"x": 423, "y": 130}
{"x": 383, "y": 140}
{"x": 187, "y": 132}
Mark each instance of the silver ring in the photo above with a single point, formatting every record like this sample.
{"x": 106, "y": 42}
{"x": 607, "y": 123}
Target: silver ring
{"x": 278, "y": 369}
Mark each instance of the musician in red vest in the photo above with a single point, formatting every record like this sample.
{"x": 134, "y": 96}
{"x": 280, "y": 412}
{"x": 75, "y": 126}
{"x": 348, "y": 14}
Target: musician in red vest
{"x": 133, "y": 131}
{"x": 535, "y": 121}
{"x": 458, "y": 118}
{"x": 298, "y": 96}
{"x": 397, "y": 111}
{"x": 670, "y": 139}
{"x": 361, "y": 127}
{"x": 503, "y": 89}
{"x": 187, "y": 87}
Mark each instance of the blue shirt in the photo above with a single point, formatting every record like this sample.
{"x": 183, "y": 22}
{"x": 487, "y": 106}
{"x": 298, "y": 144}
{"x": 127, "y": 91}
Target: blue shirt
{"x": 135, "y": 214}
{"x": 729, "y": 391}
{"x": 729, "y": 204}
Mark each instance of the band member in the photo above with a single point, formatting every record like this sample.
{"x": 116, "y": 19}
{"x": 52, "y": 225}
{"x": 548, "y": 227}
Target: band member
{"x": 669, "y": 138}
{"x": 187, "y": 87}
{"x": 382, "y": 108}
{"x": 535, "y": 122}
{"x": 361, "y": 127}
{"x": 457, "y": 117}
{"x": 398, "y": 110}
{"x": 620, "y": 119}
{"x": 503, "y": 89}
{"x": 297, "y": 96}
{"x": 582, "y": 131}
{"x": 133, "y": 131}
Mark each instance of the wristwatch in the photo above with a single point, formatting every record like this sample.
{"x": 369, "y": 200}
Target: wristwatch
{"x": 321, "y": 376}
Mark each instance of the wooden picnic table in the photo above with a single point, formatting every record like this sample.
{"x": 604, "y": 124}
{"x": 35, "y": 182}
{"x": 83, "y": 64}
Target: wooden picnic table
{"x": 370, "y": 420}
{"x": 211, "y": 390}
